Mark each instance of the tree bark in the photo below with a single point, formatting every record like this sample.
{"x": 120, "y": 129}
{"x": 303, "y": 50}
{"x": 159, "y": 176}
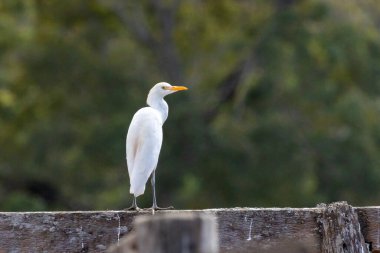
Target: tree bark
{"x": 340, "y": 229}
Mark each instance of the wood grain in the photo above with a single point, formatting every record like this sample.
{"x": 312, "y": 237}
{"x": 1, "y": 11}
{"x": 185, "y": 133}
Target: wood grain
{"x": 240, "y": 229}
{"x": 340, "y": 229}
{"x": 369, "y": 219}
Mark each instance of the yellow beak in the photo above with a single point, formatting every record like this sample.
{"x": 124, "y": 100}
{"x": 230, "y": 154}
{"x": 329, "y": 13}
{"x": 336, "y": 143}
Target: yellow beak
{"x": 177, "y": 88}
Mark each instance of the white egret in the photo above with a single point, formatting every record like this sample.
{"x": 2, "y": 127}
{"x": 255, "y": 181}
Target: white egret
{"x": 144, "y": 140}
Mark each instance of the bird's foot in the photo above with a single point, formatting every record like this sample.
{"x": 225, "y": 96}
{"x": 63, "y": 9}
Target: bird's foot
{"x": 156, "y": 208}
{"x": 133, "y": 208}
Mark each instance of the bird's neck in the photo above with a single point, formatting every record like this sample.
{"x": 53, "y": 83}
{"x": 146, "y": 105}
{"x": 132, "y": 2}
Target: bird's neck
{"x": 158, "y": 103}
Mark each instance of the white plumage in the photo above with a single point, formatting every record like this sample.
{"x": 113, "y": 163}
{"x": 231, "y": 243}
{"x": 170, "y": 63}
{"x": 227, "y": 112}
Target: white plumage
{"x": 144, "y": 139}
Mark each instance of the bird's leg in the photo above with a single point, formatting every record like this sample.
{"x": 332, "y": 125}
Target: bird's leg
{"x": 134, "y": 205}
{"x": 154, "y": 206}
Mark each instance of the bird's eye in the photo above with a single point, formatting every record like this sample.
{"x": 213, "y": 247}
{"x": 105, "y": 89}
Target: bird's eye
{"x": 163, "y": 87}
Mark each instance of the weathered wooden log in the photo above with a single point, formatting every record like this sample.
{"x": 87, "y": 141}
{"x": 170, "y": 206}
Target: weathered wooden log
{"x": 369, "y": 219}
{"x": 240, "y": 229}
{"x": 340, "y": 229}
{"x": 172, "y": 233}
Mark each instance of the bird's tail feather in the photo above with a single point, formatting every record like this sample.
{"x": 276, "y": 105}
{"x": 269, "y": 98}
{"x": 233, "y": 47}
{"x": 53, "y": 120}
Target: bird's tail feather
{"x": 138, "y": 186}
{"x": 137, "y": 191}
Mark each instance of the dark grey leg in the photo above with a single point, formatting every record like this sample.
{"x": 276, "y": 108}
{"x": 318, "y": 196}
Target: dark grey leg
{"x": 154, "y": 206}
{"x": 134, "y": 205}
{"x": 153, "y": 181}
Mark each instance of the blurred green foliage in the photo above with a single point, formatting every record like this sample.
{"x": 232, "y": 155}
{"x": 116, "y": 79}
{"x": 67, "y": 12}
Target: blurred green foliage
{"x": 283, "y": 107}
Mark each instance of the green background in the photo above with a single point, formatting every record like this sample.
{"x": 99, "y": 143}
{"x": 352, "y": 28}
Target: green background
{"x": 282, "y": 109}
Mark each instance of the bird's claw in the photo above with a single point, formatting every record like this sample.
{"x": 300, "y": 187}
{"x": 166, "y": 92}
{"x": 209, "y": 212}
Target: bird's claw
{"x": 156, "y": 208}
{"x": 133, "y": 208}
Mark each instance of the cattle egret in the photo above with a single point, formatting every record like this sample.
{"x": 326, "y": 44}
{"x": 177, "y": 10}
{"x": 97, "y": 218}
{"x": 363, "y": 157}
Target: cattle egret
{"x": 144, "y": 140}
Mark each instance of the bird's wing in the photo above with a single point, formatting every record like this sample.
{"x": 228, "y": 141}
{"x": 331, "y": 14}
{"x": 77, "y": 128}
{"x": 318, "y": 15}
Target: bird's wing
{"x": 144, "y": 140}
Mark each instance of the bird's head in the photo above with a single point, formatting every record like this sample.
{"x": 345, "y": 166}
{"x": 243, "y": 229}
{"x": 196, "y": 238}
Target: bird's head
{"x": 164, "y": 89}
